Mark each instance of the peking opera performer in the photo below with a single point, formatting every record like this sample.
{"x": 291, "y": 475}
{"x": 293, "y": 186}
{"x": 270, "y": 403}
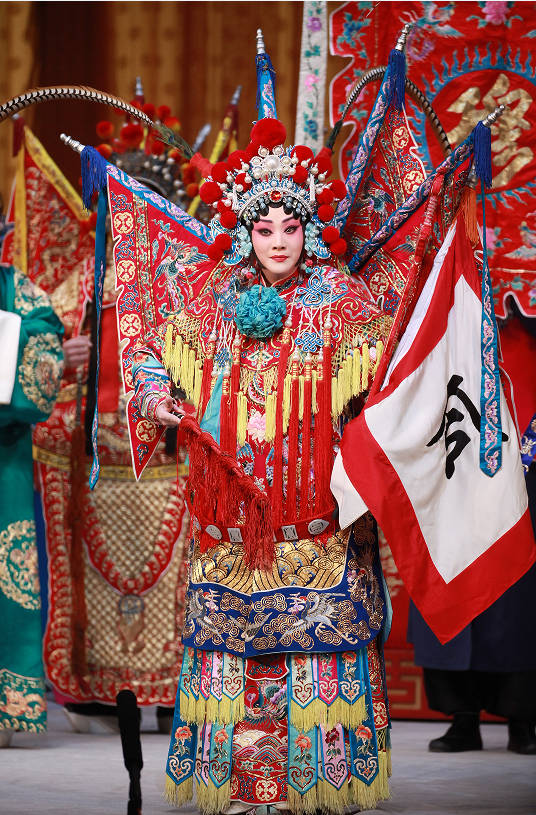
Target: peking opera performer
{"x": 282, "y": 699}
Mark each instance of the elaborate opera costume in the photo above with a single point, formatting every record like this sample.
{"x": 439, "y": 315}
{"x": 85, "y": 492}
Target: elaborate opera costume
{"x": 282, "y": 695}
{"x": 30, "y": 375}
{"x": 116, "y": 620}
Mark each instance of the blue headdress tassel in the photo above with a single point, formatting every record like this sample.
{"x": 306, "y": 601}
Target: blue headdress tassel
{"x": 397, "y": 74}
{"x": 94, "y": 175}
{"x": 482, "y": 153}
{"x": 265, "y": 87}
{"x": 100, "y": 272}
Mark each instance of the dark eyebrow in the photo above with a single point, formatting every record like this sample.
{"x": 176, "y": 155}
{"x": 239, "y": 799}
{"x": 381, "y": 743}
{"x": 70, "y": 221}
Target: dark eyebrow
{"x": 267, "y": 221}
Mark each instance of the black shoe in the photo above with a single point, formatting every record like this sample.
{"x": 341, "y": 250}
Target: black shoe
{"x": 462, "y": 735}
{"x": 521, "y": 738}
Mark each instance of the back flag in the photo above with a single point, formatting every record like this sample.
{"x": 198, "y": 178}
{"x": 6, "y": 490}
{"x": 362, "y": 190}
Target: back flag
{"x": 459, "y": 537}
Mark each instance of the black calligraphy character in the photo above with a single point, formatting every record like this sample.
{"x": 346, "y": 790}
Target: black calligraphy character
{"x": 458, "y": 438}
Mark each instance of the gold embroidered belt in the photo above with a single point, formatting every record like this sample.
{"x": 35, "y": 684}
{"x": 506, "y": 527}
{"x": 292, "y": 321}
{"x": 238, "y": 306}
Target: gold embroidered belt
{"x": 119, "y": 472}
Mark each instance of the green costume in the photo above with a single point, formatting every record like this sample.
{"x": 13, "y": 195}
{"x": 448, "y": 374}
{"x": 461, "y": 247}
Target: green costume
{"x": 37, "y": 380}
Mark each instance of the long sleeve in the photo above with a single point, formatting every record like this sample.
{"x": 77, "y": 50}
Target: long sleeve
{"x": 151, "y": 383}
{"x": 40, "y": 356}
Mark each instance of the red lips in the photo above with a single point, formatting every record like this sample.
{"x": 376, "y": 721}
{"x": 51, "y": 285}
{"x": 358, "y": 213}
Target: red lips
{"x": 279, "y": 258}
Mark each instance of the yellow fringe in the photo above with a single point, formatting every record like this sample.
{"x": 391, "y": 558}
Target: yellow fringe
{"x": 330, "y": 799}
{"x": 271, "y": 403}
{"x": 217, "y": 799}
{"x": 304, "y": 719}
{"x": 307, "y": 803}
{"x": 176, "y": 361}
{"x": 286, "y": 402}
{"x": 198, "y": 379}
{"x": 212, "y": 710}
{"x": 379, "y": 354}
{"x": 184, "y": 699}
{"x": 168, "y": 347}
{"x": 335, "y": 413}
{"x": 201, "y": 796}
{"x": 178, "y": 794}
{"x": 367, "y": 796}
{"x": 365, "y": 364}
{"x": 350, "y": 716}
{"x": 242, "y": 421}
{"x": 314, "y": 376}
{"x": 356, "y": 372}
{"x": 389, "y": 763}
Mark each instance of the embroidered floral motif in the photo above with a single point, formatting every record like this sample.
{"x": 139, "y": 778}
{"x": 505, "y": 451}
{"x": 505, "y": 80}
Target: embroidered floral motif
{"x": 28, "y": 296}
{"x": 19, "y": 577}
{"x": 41, "y": 370}
{"x": 22, "y": 702}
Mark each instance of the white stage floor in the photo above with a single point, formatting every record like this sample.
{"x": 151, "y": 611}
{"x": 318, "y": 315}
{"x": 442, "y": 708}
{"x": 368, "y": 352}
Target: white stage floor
{"x": 66, "y": 773}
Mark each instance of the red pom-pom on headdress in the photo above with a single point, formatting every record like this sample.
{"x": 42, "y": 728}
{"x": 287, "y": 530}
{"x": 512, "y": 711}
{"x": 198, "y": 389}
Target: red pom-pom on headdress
{"x": 338, "y": 188}
{"x": 237, "y": 158}
{"x": 221, "y": 206}
{"x": 303, "y": 153}
{"x": 323, "y": 161}
{"x": 131, "y": 135}
{"x": 325, "y": 197}
{"x": 268, "y": 133}
{"x": 330, "y": 234}
{"x": 192, "y": 190}
{"x": 105, "y": 130}
{"x": 252, "y": 149}
{"x": 241, "y": 179}
{"x": 228, "y": 219}
{"x": 157, "y": 147}
{"x": 300, "y": 176}
{"x": 202, "y": 164}
{"x": 210, "y": 192}
{"x": 163, "y": 112}
{"x": 339, "y": 247}
{"x": 219, "y": 172}
{"x": 214, "y": 253}
{"x": 176, "y": 156}
{"x": 223, "y": 242}
{"x": 325, "y": 213}
{"x": 187, "y": 173}
{"x": 149, "y": 109}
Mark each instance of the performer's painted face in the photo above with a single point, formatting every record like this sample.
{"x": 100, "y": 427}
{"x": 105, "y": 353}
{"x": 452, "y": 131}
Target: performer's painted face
{"x": 278, "y": 242}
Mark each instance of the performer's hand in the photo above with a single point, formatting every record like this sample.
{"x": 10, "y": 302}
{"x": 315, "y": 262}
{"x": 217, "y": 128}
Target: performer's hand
{"x": 167, "y": 411}
{"x": 76, "y": 351}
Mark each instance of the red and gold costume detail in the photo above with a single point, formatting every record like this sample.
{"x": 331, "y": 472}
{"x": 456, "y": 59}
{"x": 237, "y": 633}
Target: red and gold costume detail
{"x": 134, "y": 533}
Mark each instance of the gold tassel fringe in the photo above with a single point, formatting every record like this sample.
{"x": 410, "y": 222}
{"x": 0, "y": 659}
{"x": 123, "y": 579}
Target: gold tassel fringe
{"x": 365, "y": 365}
{"x": 178, "y": 794}
{"x": 367, "y": 796}
{"x": 286, "y": 402}
{"x": 306, "y": 803}
{"x": 317, "y": 712}
{"x": 271, "y": 403}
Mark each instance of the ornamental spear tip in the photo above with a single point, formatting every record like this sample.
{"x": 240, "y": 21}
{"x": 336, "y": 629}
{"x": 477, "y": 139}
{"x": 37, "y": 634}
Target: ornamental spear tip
{"x": 72, "y": 143}
{"x": 492, "y": 117}
{"x": 260, "y": 42}
{"x": 401, "y": 42}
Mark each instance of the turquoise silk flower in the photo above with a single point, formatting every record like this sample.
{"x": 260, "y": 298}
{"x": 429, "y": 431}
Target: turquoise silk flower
{"x": 260, "y": 312}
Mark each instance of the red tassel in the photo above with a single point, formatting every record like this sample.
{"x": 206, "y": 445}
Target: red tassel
{"x": 306, "y": 440}
{"x": 293, "y": 431}
{"x": 233, "y": 396}
{"x": 75, "y": 517}
{"x": 277, "y": 481}
{"x": 224, "y": 491}
{"x": 323, "y": 429}
{"x": 225, "y": 413}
